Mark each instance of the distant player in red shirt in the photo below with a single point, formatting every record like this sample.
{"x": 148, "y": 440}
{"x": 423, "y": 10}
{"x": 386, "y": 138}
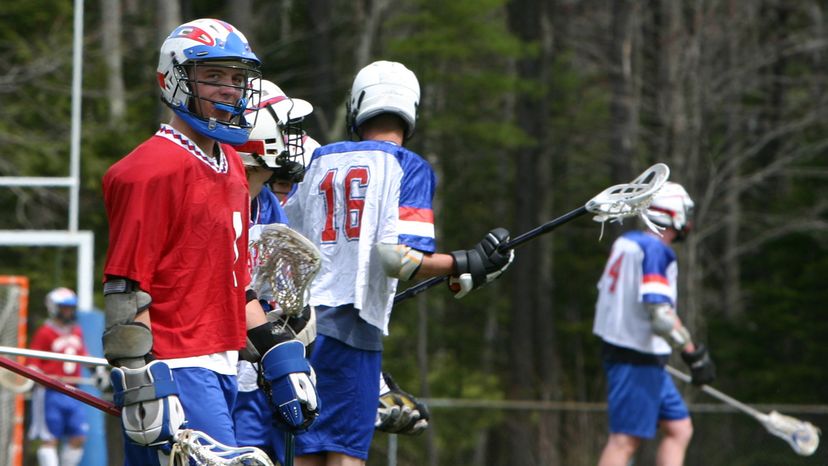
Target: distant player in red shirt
{"x": 177, "y": 305}
{"x": 56, "y": 416}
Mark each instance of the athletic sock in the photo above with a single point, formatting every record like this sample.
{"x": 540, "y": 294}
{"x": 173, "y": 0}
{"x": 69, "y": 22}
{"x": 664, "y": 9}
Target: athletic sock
{"x": 47, "y": 455}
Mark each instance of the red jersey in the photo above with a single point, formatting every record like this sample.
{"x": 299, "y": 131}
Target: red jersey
{"x": 178, "y": 227}
{"x": 57, "y": 339}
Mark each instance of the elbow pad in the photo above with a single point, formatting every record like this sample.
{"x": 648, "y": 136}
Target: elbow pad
{"x": 399, "y": 261}
{"x": 666, "y": 325}
{"x": 123, "y": 338}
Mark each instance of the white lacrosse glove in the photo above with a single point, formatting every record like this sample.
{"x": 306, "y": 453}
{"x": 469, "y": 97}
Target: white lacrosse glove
{"x": 151, "y": 413}
{"x": 290, "y": 385}
{"x": 480, "y": 265}
{"x": 398, "y": 411}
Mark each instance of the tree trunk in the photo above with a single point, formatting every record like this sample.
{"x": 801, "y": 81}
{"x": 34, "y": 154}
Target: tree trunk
{"x": 624, "y": 105}
{"x": 113, "y": 58}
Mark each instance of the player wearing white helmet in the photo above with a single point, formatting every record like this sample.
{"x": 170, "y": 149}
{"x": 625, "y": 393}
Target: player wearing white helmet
{"x": 637, "y": 321}
{"x": 367, "y": 205}
{"x": 276, "y": 145}
{"x": 177, "y": 307}
{"x": 56, "y": 417}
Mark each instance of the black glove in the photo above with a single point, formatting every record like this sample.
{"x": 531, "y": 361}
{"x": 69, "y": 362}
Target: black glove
{"x": 701, "y": 366}
{"x": 482, "y": 264}
{"x": 399, "y": 412}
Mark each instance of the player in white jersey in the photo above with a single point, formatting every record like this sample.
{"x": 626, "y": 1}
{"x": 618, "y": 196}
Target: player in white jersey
{"x": 636, "y": 318}
{"x": 367, "y": 205}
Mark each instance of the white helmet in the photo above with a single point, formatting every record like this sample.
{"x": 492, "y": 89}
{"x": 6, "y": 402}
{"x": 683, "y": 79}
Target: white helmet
{"x": 220, "y": 44}
{"x": 384, "y": 87}
{"x": 672, "y": 207}
{"x": 277, "y": 139}
{"x": 60, "y": 297}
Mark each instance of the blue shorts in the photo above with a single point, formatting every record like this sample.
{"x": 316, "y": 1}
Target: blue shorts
{"x": 347, "y": 380}
{"x": 207, "y": 398}
{"x": 57, "y": 416}
{"x": 640, "y": 396}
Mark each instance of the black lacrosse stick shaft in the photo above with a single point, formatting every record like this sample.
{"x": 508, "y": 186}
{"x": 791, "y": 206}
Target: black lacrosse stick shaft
{"x": 517, "y": 241}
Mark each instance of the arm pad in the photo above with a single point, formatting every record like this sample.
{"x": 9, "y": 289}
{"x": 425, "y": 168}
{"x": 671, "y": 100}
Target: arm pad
{"x": 124, "y": 340}
{"x": 399, "y": 261}
{"x": 666, "y": 324}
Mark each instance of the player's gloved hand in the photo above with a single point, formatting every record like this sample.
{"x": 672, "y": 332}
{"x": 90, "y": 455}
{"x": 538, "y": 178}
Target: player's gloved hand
{"x": 290, "y": 385}
{"x": 399, "y": 412}
{"x": 701, "y": 366}
{"x": 482, "y": 264}
{"x": 151, "y": 413}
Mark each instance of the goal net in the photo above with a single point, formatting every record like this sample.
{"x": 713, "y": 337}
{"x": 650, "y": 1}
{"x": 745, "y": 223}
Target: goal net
{"x": 14, "y": 299}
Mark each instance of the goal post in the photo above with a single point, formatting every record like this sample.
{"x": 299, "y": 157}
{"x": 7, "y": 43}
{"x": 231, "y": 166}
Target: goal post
{"x": 14, "y": 305}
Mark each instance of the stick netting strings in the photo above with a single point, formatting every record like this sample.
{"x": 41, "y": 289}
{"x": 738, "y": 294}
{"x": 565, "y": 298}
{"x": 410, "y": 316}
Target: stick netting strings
{"x": 197, "y": 448}
{"x": 630, "y": 199}
{"x": 286, "y": 263}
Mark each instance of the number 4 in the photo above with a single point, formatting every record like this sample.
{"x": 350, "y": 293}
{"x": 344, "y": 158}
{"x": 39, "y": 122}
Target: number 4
{"x": 614, "y": 272}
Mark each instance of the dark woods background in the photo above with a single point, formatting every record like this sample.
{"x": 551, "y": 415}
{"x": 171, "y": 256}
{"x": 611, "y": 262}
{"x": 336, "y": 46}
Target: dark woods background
{"x": 529, "y": 108}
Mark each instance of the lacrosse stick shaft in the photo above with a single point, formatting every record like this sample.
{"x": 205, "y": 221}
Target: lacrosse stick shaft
{"x": 88, "y": 360}
{"x": 62, "y": 387}
{"x": 511, "y": 244}
{"x": 719, "y": 395}
{"x": 545, "y": 228}
{"x": 290, "y": 445}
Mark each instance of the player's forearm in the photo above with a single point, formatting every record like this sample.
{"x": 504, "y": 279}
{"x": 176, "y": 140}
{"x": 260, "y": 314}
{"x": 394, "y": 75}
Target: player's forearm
{"x": 435, "y": 265}
{"x": 254, "y": 314}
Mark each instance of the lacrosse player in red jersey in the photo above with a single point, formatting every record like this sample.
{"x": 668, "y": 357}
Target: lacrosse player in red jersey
{"x": 57, "y": 416}
{"x": 367, "y": 205}
{"x": 637, "y": 321}
{"x": 177, "y": 305}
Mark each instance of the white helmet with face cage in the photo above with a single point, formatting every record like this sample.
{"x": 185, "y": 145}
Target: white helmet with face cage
{"x": 277, "y": 141}
{"x": 672, "y": 207}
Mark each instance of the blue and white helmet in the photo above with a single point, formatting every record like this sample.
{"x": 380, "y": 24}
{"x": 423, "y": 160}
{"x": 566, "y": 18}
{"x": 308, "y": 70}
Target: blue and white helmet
{"x": 220, "y": 44}
{"x": 60, "y": 297}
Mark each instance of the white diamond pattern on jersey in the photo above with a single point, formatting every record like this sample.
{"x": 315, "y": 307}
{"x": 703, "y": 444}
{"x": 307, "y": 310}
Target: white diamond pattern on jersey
{"x": 169, "y": 133}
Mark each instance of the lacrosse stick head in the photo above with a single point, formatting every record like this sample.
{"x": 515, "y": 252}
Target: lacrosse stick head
{"x": 802, "y": 436}
{"x": 284, "y": 265}
{"x": 195, "y": 447}
{"x": 629, "y": 199}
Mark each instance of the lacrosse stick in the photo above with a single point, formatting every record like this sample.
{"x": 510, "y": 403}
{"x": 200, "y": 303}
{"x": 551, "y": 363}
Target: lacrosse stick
{"x": 189, "y": 447}
{"x": 285, "y": 263}
{"x": 29, "y": 353}
{"x": 802, "y": 436}
{"x": 612, "y": 204}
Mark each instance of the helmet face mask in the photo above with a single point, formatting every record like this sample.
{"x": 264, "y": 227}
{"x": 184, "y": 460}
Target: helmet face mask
{"x": 277, "y": 139}
{"x": 383, "y": 87}
{"x": 223, "y": 52}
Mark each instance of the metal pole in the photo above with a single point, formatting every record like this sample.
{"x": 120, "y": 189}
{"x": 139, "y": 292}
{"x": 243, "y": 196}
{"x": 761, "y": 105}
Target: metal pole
{"x": 74, "y": 148}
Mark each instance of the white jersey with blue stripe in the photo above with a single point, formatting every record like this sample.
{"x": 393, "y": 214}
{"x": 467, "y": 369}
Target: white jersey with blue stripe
{"x": 641, "y": 269}
{"x": 355, "y": 195}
